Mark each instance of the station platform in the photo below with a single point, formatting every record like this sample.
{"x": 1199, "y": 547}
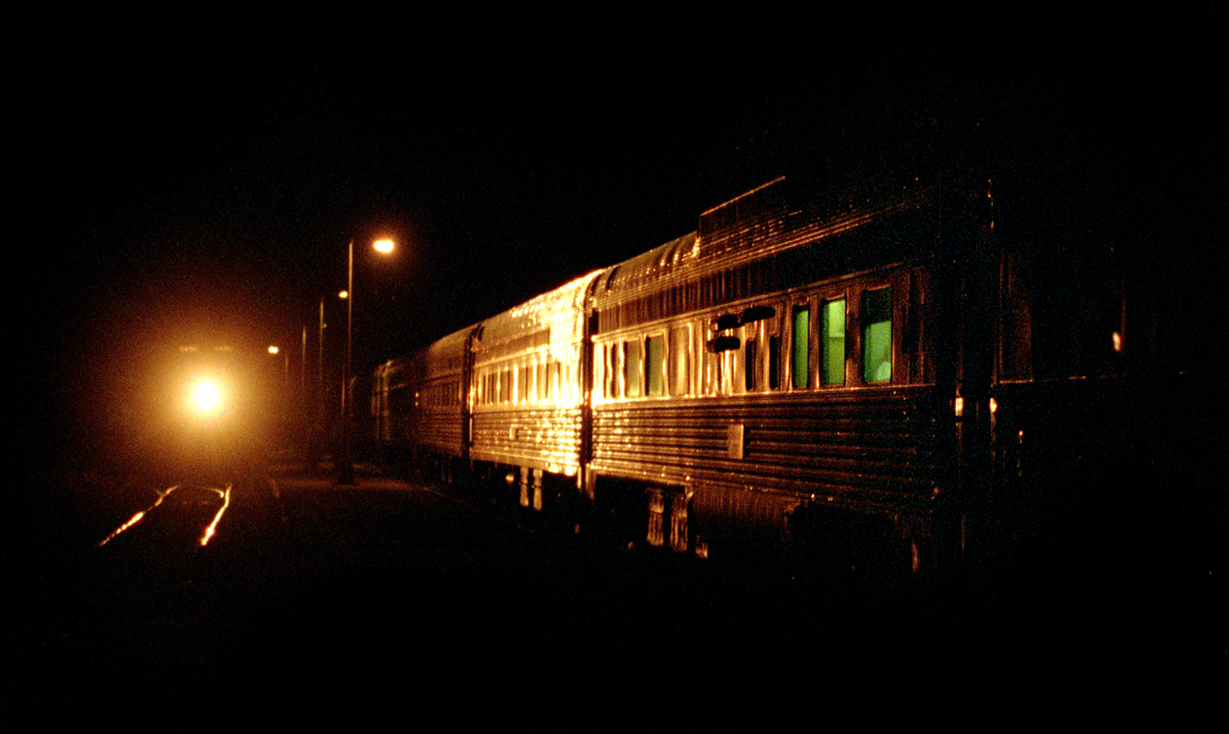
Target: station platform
{"x": 290, "y": 473}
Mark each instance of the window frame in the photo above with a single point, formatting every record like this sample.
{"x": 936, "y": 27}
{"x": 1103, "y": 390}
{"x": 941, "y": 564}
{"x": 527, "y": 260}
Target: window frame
{"x": 864, "y": 326}
{"x": 649, "y": 372}
{"x": 797, "y": 308}
{"x": 822, "y": 339}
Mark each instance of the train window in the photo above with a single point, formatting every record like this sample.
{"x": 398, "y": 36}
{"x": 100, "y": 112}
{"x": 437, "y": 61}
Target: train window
{"x": 601, "y": 385}
{"x": 774, "y": 362}
{"x": 654, "y": 364}
{"x": 832, "y": 359}
{"x": 522, "y": 384}
{"x": 877, "y": 335}
{"x": 710, "y": 377}
{"x": 800, "y": 352}
{"x": 750, "y": 366}
{"x": 616, "y": 371}
{"x": 569, "y": 379}
{"x": 632, "y": 363}
{"x": 726, "y": 365}
{"x": 505, "y": 386}
{"x": 680, "y": 359}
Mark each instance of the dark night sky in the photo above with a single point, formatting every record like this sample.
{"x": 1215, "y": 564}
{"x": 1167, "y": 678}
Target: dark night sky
{"x": 196, "y": 175}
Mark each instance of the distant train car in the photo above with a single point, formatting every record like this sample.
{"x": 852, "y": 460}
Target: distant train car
{"x": 419, "y": 406}
{"x": 528, "y": 388}
{"x": 877, "y": 360}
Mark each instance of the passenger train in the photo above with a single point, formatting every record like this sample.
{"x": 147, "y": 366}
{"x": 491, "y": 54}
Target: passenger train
{"x": 881, "y": 360}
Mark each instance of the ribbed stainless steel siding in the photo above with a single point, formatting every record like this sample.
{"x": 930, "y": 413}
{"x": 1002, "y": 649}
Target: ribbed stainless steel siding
{"x": 438, "y": 430}
{"x": 548, "y": 439}
{"x": 868, "y": 447}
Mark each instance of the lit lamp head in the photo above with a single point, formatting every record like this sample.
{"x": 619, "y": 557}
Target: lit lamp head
{"x": 383, "y": 246}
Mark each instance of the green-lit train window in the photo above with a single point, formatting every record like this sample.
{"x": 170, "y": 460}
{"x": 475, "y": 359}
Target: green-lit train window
{"x": 800, "y": 348}
{"x": 877, "y": 335}
{"x": 832, "y": 361}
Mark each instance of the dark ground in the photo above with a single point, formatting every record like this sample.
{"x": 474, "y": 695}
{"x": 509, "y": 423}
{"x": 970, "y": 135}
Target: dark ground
{"x": 391, "y": 602}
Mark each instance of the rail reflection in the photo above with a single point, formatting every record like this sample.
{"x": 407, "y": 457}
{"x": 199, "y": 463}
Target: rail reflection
{"x": 210, "y": 530}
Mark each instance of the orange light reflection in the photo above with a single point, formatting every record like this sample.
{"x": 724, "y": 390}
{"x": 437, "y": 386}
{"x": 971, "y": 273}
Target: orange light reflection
{"x": 209, "y": 531}
{"x": 137, "y": 517}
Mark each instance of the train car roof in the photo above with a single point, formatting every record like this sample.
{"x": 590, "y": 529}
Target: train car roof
{"x": 445, "y": 355}
{"x": 756, "y": 244}
{"x": 555, "y": 317}
{"x": 742, "y": 231}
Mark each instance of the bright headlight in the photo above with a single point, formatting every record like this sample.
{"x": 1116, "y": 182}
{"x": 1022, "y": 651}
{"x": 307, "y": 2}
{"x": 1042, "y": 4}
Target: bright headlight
{"x": 206, "y": 397}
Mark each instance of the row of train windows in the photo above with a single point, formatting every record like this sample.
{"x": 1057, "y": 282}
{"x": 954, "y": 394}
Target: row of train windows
{"x": 642, "y": 367}
{"x": 443, "y": 395}
{"x": 532, "y": 383}
{"x": 876, "y": 363}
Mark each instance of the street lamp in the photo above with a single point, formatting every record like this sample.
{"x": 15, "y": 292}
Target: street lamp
{"x": 274, "y": 350}
{"x": 282, "y": 436}
{"x": 345, "y": 467}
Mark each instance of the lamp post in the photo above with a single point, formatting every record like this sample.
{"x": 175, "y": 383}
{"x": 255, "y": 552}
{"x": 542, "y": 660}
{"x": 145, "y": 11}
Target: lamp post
{"x": 314, "y": 423}
{"x": 304, "y": 427}
{"x": 345, "y": 467}
{"x": 284, "y": 399}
